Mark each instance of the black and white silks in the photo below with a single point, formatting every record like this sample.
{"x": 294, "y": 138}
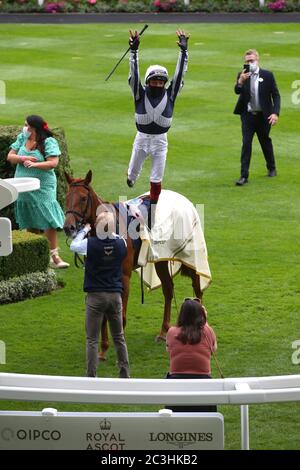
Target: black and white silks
{"x": 153, "y": 115}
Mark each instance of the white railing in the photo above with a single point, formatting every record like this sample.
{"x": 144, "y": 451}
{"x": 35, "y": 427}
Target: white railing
{"x": 9, "y": 192}
{"x": 231, "y": 391}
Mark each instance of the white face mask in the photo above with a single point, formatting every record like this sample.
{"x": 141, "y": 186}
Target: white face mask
{"x": 26, "y": 131}
{"x": 253, "y": 66}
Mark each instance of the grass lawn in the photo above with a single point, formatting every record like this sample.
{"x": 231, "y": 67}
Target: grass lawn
{"x": 252, "y": 232}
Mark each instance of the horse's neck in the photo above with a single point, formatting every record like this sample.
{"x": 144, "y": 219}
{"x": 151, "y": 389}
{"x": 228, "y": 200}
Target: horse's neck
{"x": 97, "y": 201}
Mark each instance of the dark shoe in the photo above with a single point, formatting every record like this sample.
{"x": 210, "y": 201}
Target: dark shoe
{"x": 130, "y": 183}
{"x": 272, "y": 173}
{"x": 241, "y": 181}
{"x": 124, "y": 373}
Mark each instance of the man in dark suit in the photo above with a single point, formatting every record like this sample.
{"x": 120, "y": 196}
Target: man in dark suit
{"x": 259, "y": 107}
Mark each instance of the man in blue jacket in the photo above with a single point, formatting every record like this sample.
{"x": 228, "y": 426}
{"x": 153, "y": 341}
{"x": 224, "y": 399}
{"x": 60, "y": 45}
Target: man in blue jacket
{"x": 259, "y": 107}
{"x": 103, "y": 285}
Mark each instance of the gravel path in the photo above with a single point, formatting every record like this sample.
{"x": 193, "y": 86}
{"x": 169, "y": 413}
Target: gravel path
{"x": 178, "y": 18}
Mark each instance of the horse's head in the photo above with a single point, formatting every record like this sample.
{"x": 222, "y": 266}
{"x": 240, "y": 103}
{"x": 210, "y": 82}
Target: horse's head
{"x": 81, "y": 204}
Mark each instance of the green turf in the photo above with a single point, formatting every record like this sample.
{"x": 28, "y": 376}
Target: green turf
{"x": 252, "y": 232}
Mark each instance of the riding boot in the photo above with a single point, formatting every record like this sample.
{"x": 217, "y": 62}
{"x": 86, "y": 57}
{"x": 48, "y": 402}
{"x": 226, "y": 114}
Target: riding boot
{"x": 155, "y": 189}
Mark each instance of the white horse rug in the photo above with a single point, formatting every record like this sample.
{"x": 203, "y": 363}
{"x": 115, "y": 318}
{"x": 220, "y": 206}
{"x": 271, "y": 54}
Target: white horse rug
{"x": 176, "y": 236}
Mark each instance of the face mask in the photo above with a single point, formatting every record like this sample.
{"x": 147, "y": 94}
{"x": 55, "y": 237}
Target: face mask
{"x": 26, "y": 131}
{"x": 253, "y": 67}
{"x": 156, "y": 91}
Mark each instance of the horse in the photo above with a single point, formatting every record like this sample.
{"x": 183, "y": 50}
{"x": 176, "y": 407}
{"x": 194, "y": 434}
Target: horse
{"x": 82, "y": 204}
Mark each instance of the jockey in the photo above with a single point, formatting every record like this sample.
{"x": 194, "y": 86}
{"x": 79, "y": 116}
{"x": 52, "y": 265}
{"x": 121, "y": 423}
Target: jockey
{"x": 154, "y": 104}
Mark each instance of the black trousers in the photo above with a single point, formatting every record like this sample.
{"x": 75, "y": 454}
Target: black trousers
{"x": 194, "y": 408}
{"x": 256, "y": 124}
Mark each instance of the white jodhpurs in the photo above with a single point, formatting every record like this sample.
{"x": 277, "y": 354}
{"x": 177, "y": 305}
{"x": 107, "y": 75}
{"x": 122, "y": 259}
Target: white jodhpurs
{"x": 148, "y": 145}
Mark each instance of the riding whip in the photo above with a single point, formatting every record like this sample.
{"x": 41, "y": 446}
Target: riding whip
{"x": 117, "y": 64}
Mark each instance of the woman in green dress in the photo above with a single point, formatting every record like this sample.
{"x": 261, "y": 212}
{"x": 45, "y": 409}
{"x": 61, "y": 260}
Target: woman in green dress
{"x": 36, "y": 154}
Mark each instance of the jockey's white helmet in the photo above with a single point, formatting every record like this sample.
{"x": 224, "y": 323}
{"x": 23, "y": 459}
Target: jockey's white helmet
{"x": 156, "y": 71}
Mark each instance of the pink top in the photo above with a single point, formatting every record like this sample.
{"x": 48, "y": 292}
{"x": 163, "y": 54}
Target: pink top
{"x": 190, "y": 358}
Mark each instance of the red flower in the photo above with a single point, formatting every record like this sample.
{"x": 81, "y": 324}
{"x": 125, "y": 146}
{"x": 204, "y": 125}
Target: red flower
{"x": 45, "y": 126}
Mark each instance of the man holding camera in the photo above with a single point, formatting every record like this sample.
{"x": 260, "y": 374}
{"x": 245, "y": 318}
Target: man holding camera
{"x": 259, "y": 107}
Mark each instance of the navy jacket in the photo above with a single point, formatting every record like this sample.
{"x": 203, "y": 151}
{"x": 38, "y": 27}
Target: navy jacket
{"x": 268, "y": 93}
{"x": 103, "y": 265}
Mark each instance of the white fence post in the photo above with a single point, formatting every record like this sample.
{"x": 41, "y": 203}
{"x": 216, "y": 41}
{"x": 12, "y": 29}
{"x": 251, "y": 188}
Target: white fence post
{"x": 245, "y": 427}
{"x": 244, "y": 387}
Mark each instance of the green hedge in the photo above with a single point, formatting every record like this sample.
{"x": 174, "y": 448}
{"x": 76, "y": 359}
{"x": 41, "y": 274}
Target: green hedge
{"x": 105, "y": 6}
{"x": 8, "y": 135}
{"x": 30, "y": 254}
{"x": 27, "y": 286}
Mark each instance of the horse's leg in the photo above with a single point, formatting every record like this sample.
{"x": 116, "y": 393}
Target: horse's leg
{"x": 104, "y": 341}
{"x": 127, "y": 268}
{"x": 167, "y": 288}
{"x": 196, "y": 285}
{"x": 125, "y": 295}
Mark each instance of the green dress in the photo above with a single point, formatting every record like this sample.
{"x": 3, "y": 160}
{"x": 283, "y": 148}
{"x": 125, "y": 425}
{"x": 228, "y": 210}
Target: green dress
{"x": 38, "y": 209}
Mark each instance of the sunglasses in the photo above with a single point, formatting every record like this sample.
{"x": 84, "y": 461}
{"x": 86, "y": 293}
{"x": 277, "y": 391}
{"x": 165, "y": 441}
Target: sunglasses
{"x": 196, "y": 299}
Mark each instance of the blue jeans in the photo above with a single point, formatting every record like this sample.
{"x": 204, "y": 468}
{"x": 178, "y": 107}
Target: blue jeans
{"x": 98, "y": 305}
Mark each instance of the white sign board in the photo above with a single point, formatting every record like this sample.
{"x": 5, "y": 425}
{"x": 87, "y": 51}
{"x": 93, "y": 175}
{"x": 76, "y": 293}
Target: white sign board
{"x": 6, "y": 246}
{"x": 9, "y": 191}
{"x": 111, "y": 431}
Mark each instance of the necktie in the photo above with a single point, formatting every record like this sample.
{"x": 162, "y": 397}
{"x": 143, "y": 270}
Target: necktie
{"x": 252, "y": 91}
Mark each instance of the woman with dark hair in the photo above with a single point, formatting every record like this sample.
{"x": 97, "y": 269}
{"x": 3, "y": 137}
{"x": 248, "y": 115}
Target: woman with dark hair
{"x": 36, "y": 153}
{"x": 190, "y": 345}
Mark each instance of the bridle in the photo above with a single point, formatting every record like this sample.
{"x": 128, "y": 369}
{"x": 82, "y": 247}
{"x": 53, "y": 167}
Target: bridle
{"x": 80, "y": 217}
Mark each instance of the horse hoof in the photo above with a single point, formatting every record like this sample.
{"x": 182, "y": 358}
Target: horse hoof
{"x": 101, "y": 357}
{"x": 160, "y": 339}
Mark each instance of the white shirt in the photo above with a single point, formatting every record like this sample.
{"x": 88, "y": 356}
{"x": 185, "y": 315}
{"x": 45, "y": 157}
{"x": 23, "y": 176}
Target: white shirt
{"x": 79, "y": 244}
{"x": 254, "y": 104}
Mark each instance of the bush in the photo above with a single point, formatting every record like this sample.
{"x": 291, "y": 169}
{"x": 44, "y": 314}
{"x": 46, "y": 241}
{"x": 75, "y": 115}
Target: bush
{"x": 27, "y": 286}
{"x": 164, "y": 6}
{"x": 30, "y": 254}
{"x": 279, "y": 5}
{"x": 8, "y": 135}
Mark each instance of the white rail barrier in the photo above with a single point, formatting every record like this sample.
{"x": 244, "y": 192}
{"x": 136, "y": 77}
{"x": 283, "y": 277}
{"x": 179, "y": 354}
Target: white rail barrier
{"x": 231, "y": 391}
{"x": 150, "y": 391}
{"x": 9, "y": 192}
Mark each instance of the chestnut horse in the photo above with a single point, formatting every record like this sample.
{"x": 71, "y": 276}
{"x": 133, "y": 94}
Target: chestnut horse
{"x": 81, "y": 207}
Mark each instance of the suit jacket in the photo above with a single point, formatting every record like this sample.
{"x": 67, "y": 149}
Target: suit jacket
{"x": 268, "y": 93}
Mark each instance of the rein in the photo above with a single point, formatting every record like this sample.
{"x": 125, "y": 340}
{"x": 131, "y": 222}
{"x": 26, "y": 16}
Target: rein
{"x": 214, "y": 356}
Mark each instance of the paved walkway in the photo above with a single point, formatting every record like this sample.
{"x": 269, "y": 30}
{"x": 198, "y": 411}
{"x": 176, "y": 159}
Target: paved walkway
{"x": 178, "y": 18}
